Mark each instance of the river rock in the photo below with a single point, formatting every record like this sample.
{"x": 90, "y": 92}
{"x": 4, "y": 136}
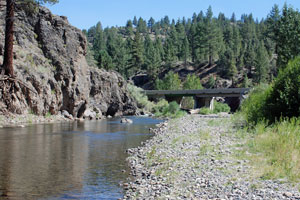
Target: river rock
{"x": 50, "y": 60}
{"x": 89, "y": 114}
{"x": 126, "y": 121}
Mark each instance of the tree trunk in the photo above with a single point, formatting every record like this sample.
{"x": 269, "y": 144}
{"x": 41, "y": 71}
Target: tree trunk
{"x": 9, "y": 38}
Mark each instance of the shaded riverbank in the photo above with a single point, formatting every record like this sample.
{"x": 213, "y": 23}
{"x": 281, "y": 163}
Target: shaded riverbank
{"x": 199, "y": 158}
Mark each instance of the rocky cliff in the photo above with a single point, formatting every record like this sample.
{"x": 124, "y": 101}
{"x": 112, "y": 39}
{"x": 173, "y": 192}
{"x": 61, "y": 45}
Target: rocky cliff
{"x": 50, "y": 59}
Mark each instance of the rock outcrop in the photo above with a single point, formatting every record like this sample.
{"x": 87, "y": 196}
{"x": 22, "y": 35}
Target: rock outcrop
{"x": 50, "y": 59}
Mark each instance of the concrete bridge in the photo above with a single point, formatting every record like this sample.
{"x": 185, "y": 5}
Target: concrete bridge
{"x": 202, "y": 98}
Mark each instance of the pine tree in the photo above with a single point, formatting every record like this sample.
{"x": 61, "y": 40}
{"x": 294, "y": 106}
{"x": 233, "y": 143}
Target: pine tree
{"x": 141, "y": 26}
{"x": 129, "y": 28}
{"x": 135, "y": 22}
{"x": 137, "y": 58}
{"x": 192, "y": 82}
{"x": 104, "y": 60}
{"x": 152, "y": 58}
{"x": 261, "y": 64}
{"x": 98, "y": 40}
{"x": 151, "y": 23}
{"x": 171, "y": 81}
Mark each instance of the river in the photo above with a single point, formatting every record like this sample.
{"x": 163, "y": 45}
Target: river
{"x": 77, "y": 160}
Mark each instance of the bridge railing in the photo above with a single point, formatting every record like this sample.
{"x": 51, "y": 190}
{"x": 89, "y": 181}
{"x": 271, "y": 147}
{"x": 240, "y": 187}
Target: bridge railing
{"x": 228, "y": 92}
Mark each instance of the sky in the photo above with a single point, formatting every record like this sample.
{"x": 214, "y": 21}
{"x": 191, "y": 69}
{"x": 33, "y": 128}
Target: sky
{"x": 86, "y": 13}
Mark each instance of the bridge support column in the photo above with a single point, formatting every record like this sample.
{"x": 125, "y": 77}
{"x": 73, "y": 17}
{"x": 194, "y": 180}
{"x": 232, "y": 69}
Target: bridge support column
{"x": 204, "y": 102}
{"x": 176, "y": 99}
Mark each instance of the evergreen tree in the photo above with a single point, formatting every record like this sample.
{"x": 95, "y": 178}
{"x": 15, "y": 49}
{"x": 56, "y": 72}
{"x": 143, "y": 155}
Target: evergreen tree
{"x": 141, "y": 26}
{"x": 171, "y": 81}
{"x": 151, "y": 23}
{"x": 129, "y": 28}
{"x": 159, "y": 47}
{"x": 104, "y": 60}
{"x": 137, "y": 59}
{"x": 192, "y": 82}
{"x": 262, "y": 64}
{"x": 287, "y": 32}
{"x": 135, "y": 22}
{"x": 98, "y": 39}
{"x": 152, "y": 58}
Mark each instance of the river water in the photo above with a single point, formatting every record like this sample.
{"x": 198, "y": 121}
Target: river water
{"x": 78, "y": 160}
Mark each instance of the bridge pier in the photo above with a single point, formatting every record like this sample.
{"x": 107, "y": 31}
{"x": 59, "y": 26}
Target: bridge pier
{"x": 177, "y": 99}
{"x": 207, "y": 102}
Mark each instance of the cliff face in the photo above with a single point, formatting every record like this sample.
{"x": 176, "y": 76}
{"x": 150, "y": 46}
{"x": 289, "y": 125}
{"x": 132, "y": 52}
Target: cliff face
{"x": 50, "y": 58}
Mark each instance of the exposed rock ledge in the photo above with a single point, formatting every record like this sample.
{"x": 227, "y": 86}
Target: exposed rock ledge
{"x": 50, "y": 58}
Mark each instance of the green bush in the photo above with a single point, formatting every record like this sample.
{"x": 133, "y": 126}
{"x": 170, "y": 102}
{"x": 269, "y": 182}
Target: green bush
{"x": 221, "y": 107}
{"x": 254, "y": 108}
{"x": 218, "y": 107}
{"x": 172, "y": 110}
{"x": 284, "y": 99}
{"x": 205, "y": 111}
{"x": 160, "y": 105}
{"x": 279, "y": 100}
{"x": 141, "y": 98}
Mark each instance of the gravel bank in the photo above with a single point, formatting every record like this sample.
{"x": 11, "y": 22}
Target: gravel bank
{"x": 12, "y": 120}
{"x": 198, "y": 158}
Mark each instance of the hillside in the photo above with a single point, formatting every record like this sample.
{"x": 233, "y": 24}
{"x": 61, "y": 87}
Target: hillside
{"x": 227, "y": 49}
{"x": 49, "y": 61}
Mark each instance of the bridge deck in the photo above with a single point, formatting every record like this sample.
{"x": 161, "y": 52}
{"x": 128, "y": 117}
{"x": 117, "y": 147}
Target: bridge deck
{"x": 228, "y": 92}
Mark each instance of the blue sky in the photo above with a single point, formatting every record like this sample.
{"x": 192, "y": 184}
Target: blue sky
{"x": 86, "y": 13}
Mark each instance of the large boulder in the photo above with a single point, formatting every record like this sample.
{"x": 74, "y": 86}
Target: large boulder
{"x": 50, "y": 60}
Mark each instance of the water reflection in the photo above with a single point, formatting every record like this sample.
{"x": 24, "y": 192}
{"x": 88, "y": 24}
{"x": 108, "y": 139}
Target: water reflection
{"x": 70, "y": 160}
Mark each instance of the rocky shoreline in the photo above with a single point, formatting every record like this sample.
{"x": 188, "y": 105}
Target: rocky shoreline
{"x": 199, "y": 158}
{"x": 14, "y": 120}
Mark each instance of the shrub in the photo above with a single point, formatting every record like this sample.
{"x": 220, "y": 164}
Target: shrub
{"x": 171, "y": 81}
{"x": 141, "y": 98}
{"x": 284, "y": 100}
{"x": 221, "y": 107}
{"x": 172, "y": 110}
{"x": 160, "y": 105}
{"x": 192, "y": 82}
{"x": 279, "y": 100}
{"x": 254, "y": 108}
{"x": 205, "y": 111}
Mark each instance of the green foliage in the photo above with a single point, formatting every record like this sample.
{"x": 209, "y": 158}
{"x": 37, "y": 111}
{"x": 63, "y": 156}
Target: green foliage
{"x": 141, "y": 98}
{"x": 233, "y": 44}
{"x": 254, "y": 108}
{"x": 285, "y": 32}
{"x": 284, "y": 99}
{"x": 211, "y": 82}
{"x": 171, "y": 81}
{"x": 192, "y": 82}
{"x": 205, "y": 111}
{"x": 172, "y": 110}
{"x": 276, "y": 150}
{"x": 104, "y": 60}
{"x": 48, "y": 115}
{"x": 221, "y": 107}
{"x": 279, "y": 100}
{"x": 218, "y": 107}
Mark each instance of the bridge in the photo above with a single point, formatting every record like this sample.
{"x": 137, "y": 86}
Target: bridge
{"x": 202, "y": 98}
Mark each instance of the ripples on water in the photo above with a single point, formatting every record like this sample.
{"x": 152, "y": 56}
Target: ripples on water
{"x": 82, "y": 160}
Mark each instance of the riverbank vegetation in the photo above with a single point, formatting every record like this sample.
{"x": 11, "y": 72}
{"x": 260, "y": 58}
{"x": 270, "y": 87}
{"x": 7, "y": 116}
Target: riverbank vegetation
{"x": 160, "y": 108}
{"x": 272, "y": 116}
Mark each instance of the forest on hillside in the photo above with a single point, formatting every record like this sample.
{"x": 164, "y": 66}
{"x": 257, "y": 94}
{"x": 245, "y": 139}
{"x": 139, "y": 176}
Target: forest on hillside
{"x": 246, "y": 47}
